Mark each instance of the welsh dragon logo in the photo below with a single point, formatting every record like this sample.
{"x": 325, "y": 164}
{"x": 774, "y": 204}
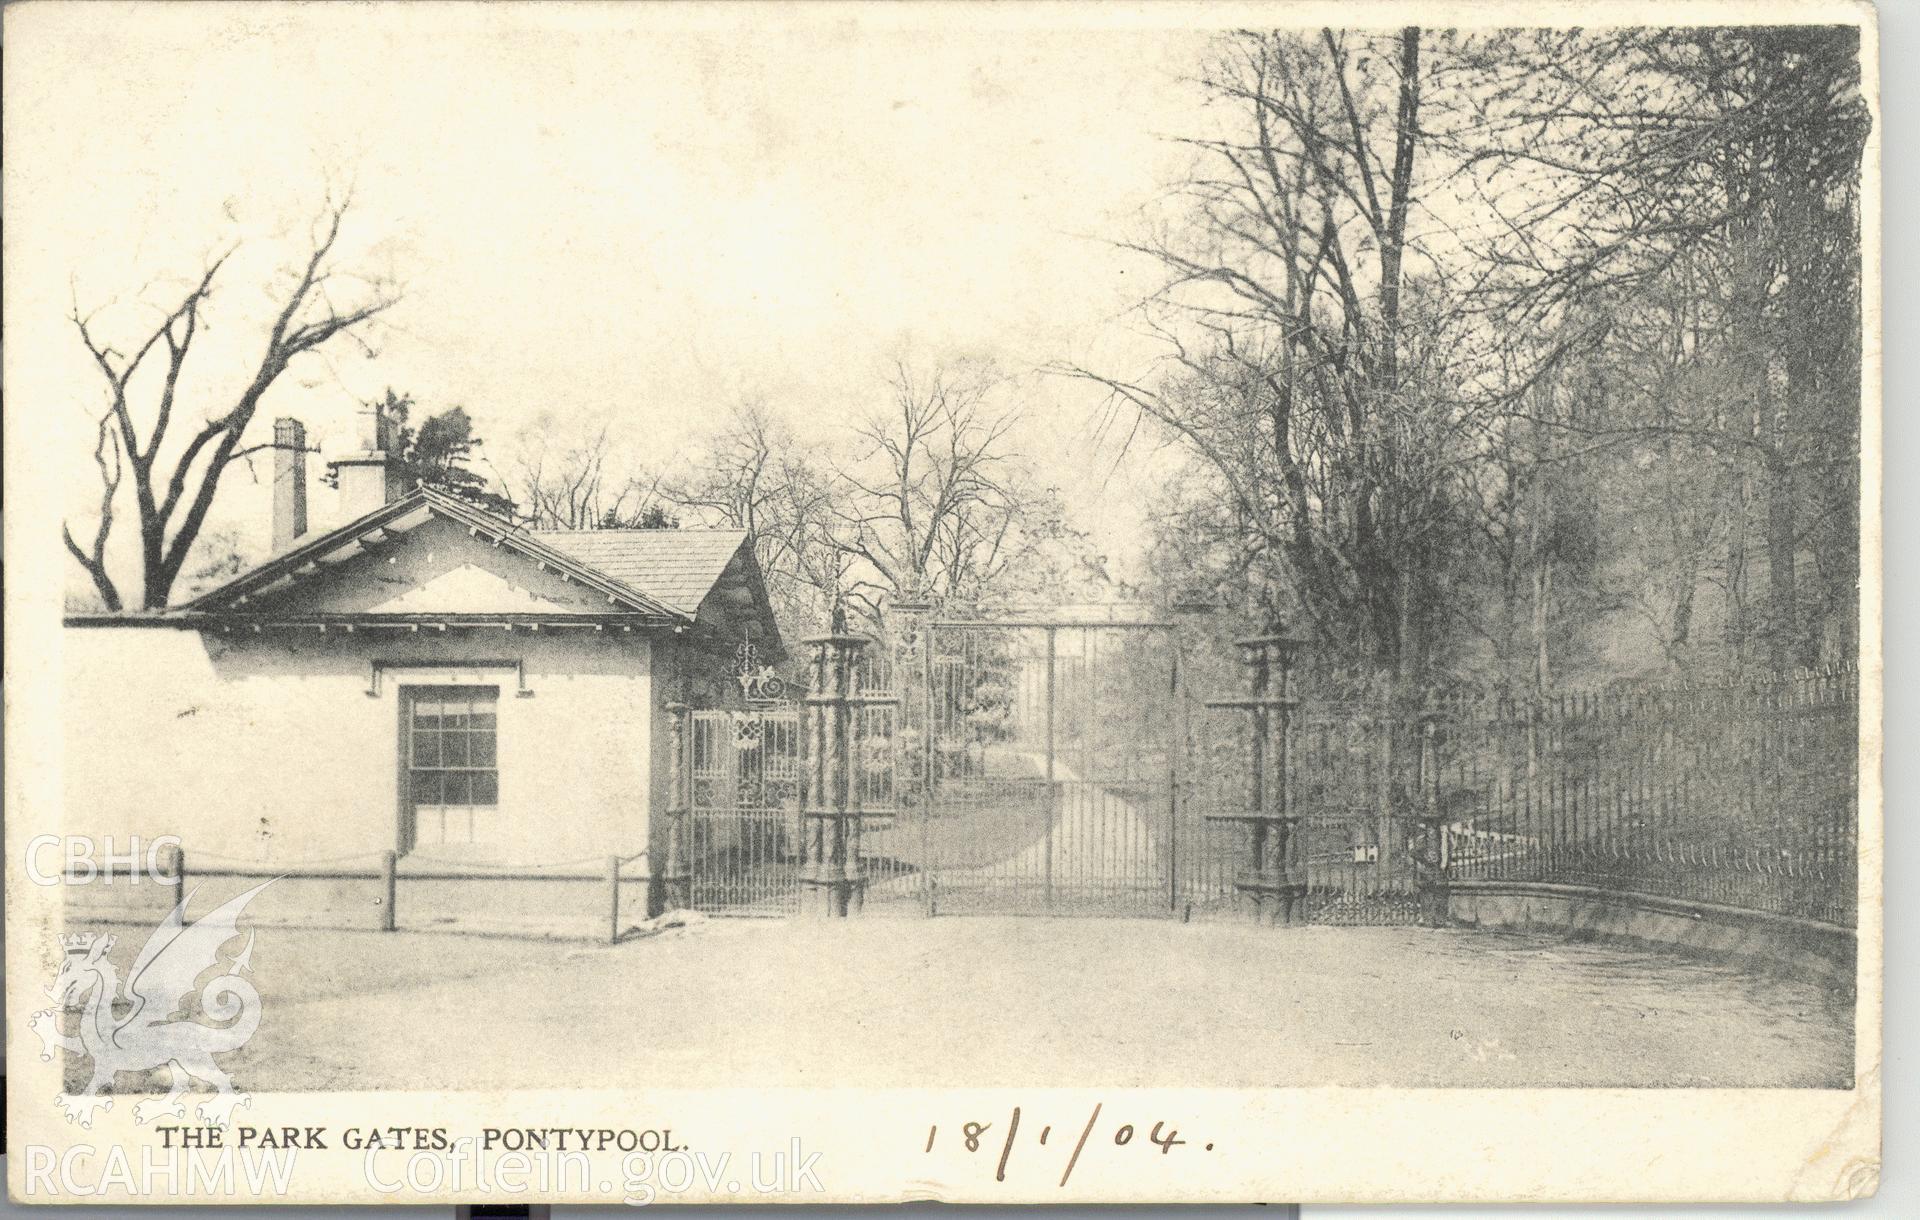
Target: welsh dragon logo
{"x": 146, "y": 1023}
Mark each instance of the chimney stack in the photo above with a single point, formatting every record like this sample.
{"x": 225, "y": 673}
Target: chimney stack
{"x": 289, "y": 482}
{"x": 368, "y": 479}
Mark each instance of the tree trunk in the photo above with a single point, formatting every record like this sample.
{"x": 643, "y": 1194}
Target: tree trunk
{"x": 1736, "y": 630}
{"x": 1784, "y": 637}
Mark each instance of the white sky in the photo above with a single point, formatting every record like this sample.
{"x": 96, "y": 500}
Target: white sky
{"x": 592, "y": 218}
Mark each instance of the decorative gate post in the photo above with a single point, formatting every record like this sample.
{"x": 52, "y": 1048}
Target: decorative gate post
{"x": 911, "y": 613}
{"x": 676, "y": 871}
{"x": 1267, "y": 875}
{"x": 831, "y": 813}
{"x": 1430, "y": 858}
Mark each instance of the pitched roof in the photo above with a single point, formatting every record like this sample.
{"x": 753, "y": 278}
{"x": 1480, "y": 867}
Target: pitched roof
{"x": 679, "y": 567}
{"x": 400, "y": 515}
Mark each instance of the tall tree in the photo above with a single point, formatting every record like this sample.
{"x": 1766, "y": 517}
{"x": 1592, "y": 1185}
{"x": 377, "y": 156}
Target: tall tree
{"x": 754, "y": 474}
{"x": 1429, "y": 293}
{"x": 174, "y": 484}
{"x": 935, "y": 497}
{"x": 1696, "y": 193}
{"x": 1309, "y": 371}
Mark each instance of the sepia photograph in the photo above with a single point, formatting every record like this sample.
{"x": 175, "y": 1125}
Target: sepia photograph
{"x": 1066, "y": 586}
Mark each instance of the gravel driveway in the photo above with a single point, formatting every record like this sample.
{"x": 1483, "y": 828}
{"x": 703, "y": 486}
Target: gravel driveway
{"x": 1002, "y": 1001}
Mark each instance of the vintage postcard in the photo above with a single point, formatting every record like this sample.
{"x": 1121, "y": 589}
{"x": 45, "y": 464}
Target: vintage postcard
{"x": 853, "y": 603}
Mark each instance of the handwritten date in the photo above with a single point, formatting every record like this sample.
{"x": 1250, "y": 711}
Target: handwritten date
{"x": 975, "y": 1135}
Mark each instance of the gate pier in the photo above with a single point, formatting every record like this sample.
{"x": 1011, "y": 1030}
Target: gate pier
{"x": 1268, "y": 876}
{"x": 832, "y": 879}
{"x": 674, "y": 890}
{"x": 1431, "y": 865}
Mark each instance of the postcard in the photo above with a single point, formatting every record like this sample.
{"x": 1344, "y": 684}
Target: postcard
{"x": 852, "y": 603}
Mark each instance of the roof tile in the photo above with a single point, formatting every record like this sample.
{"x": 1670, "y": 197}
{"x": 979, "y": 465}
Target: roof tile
{"x": 679, "y": 567}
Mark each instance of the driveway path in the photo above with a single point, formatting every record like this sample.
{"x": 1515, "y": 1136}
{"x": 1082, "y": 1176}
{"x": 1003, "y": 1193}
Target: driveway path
{"x": 999, "y": 1001}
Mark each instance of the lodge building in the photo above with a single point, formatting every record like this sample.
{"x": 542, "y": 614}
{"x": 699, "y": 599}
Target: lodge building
{"x": 426, "y": 678}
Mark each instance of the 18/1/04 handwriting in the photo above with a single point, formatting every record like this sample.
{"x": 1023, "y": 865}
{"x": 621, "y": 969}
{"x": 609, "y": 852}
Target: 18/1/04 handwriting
{"x": 977, "y": 1136}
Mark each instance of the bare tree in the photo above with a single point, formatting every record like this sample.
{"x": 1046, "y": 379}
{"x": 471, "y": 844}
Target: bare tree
{"x": 753, "y": 474}
{"x": 927, "y": 494}
{"x": 173, "y": 491}
{"x": 1310, "y": 374}
{"x": 936, "y": 498}
{"x": 1426, "y": 293}
{"x": 1695, "y": 193}
{"x": 573, "y": 487}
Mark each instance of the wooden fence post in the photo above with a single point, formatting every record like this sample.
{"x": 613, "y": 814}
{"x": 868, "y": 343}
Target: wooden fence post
{"x": 613, "y": 899}
{"x": 179, "y": 875}
{"x": 389, "y": 890}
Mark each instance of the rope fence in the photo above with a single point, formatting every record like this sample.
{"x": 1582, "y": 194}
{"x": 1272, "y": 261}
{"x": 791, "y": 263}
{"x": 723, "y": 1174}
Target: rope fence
{"x": 385, "y": 869}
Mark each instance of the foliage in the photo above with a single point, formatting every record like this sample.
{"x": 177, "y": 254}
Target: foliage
{"x": 439, "y": 452}
{"x": 1530, "y": 356}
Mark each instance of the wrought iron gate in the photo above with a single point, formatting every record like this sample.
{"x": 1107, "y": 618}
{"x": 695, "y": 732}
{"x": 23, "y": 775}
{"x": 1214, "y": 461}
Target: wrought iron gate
{"x": 744, "y": 772}
{"x": 1037, "y": 768}
{"x": 1016, "y": 767}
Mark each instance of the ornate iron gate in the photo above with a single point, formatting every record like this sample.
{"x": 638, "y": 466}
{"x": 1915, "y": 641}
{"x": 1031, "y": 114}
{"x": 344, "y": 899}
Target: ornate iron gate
{"x": 744, "y": 772}
{"x": 1056, "y": 767}
{"x": 1037, "y": 769}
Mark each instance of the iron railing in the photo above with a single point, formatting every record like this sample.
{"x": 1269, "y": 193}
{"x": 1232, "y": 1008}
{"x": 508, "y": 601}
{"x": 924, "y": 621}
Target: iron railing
{"x": 1740, "y": 795}
{"x": 1746, "y": 796}
{"x": 1073, "y": 767}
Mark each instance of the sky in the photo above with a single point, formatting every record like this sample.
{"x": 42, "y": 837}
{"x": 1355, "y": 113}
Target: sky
{"x": 629, "y": 217}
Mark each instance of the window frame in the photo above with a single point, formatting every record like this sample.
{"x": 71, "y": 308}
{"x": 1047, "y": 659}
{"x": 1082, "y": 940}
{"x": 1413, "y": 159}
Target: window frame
{"x": 407, "y": 832}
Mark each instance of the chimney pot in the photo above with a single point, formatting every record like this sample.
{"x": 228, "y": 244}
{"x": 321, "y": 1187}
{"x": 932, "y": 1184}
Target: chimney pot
{"x": 369, "y": 479}
{"x": 289, "y": 482}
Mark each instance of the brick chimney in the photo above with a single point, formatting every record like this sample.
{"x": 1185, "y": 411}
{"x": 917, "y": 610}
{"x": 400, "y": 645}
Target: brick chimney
{"x": 289, "y": 482}
{"x": 367, "y": 478}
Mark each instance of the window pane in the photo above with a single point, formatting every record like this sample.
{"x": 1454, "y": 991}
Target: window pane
{"x": 451, "y": 754}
